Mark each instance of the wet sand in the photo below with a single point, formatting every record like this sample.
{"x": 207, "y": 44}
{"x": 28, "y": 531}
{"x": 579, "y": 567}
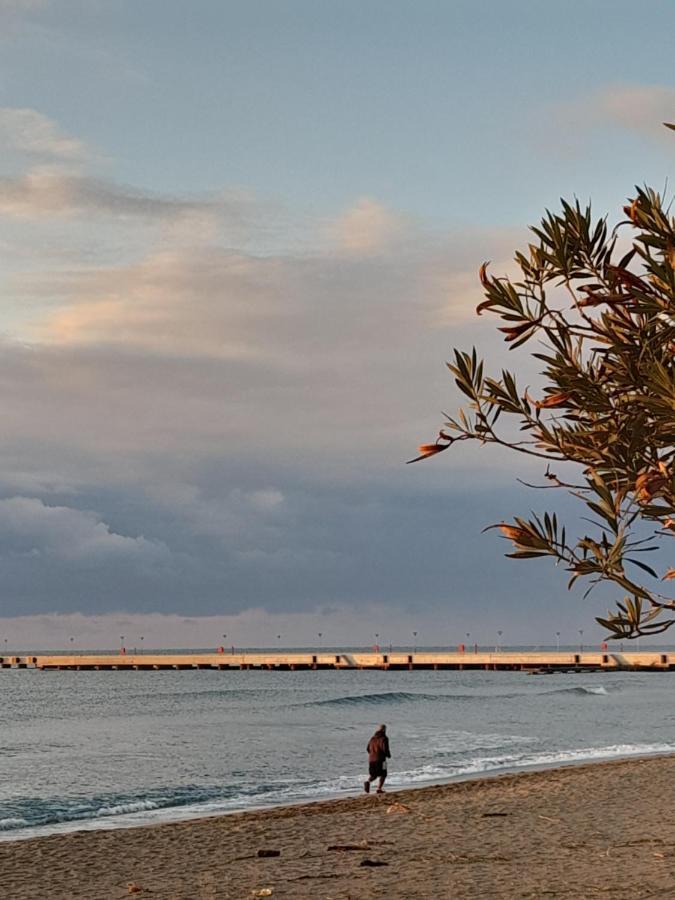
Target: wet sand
{"x": 605, "y": 830}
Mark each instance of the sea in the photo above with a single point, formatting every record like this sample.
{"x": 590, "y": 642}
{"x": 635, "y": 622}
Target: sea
{"x": 92, "y": 750}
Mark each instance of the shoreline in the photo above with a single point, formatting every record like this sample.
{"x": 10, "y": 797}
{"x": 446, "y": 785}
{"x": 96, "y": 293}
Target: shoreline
{"x": 579, "y": 830}
{"x": 176, "y": 814}
{"x": 170, "y": 815}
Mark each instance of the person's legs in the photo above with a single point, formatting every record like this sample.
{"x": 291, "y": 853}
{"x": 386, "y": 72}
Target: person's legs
{"x": 383, "y": 778}
{"x": 374, "y": 771}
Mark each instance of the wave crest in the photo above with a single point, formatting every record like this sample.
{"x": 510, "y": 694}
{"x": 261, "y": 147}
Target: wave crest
{"x": 596, "y": 689}
{"x": 384, "y": 697}
{"x": 12, "y": 822}
{"x": 412, "y": 697}
{"x": 122, "y": 808}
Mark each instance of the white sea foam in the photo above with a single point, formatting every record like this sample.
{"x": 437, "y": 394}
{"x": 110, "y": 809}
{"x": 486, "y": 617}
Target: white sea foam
{"x": 509, "y": 761}
{"x": 10, "y": 823}
{"x": 123, "y": 808}
{"x": 148, "y": 811}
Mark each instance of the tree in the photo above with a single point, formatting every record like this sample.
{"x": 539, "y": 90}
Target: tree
{"x": 602, "y": 321}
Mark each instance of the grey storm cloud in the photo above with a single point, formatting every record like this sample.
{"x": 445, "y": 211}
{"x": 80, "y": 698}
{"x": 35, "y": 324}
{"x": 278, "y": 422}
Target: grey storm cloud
{"x": 319, "y": 548}
{"x": 31, "y": 528}
{"x": 202, "y": 428}
{"x": 200, "y": 403}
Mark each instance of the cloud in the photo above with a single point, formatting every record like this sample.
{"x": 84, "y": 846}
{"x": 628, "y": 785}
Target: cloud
{"x": 368, "y": 228}
{"x": 241, "y": 519}
{"x": 258, "y": 627}
{"x": 237, "y": 383}
{"x": 266, "y": 499}
{"x": 31, "y": 133}
{"x": 638, "y": 108}
{"x": 53, "y": 178}
{"x": 373, "y": 559}
{"x": 326, "y": 363}
{"x": 280, "y": 311}
{"x": 641, "y": 108}
{"x": 29, "y": 527}
{"x": 42, "y": 193}
{"x": 253, "y": 414}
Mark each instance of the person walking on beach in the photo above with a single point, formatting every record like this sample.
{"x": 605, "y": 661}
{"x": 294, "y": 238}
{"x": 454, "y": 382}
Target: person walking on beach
{"x": 378, "y": 754}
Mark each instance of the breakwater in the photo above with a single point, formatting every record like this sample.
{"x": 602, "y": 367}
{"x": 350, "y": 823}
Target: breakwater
{"x": 544, "y": 661}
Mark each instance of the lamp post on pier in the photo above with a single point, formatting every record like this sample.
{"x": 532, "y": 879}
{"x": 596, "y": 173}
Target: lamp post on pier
{"x": 557, "y": 641}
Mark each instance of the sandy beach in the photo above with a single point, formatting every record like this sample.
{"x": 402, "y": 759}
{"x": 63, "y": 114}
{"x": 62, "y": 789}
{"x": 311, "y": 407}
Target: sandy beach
{"x": 601, "y": 830}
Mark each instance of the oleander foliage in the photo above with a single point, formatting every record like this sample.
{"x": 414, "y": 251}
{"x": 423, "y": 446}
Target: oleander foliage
{"x": 598, "y": 314}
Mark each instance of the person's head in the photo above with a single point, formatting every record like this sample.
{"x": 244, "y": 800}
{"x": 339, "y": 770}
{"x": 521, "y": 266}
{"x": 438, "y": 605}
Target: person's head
{"x": 382, "y": 728}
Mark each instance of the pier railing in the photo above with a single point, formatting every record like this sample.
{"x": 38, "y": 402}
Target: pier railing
{"x": 531, "y": 661}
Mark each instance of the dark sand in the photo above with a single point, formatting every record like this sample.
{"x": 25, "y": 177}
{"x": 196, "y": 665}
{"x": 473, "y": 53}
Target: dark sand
{"x": 604, "y": 830}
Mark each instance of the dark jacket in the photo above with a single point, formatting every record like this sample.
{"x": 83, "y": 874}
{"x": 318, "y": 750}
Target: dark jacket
{"x": 378, "y": 747}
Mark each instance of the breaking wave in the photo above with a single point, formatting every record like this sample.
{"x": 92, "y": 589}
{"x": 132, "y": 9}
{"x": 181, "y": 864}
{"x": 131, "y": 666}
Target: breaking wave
{"x": 122, "y": 809}
{"x": 11, "y": 823}
{"x": 596, "y": 689}
{"x": 384, "y": 697}
{"x": 412, "y": 697}
{"x": 196, "y": 802}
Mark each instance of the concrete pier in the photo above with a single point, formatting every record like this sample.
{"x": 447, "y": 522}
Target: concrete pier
{"x": 545, "y": 661}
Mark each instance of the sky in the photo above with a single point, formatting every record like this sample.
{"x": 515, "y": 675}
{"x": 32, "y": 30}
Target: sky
{"x": 239, "y": 241}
